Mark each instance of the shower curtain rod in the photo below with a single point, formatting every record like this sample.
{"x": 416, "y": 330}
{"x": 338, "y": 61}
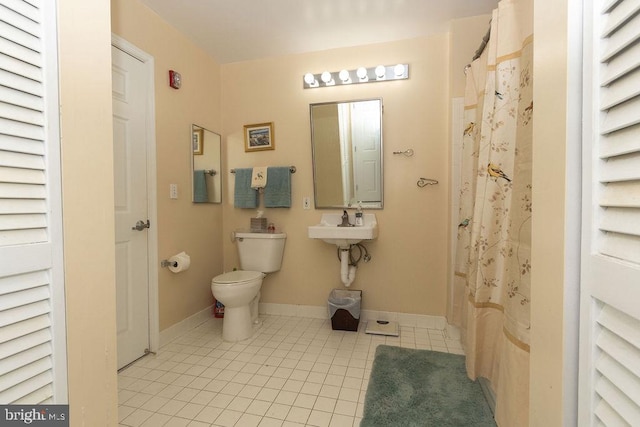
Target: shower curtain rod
{"x": 483, "y": 45}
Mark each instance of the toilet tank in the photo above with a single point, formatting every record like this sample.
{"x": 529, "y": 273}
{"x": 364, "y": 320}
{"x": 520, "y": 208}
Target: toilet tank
{"x": 260, "y": 251}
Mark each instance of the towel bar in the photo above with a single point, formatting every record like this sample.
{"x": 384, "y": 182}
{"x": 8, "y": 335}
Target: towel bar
{"x": 292, "y": 169}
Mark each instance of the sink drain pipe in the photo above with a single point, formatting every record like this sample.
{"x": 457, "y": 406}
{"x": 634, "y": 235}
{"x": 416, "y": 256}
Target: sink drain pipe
{"x": 348, "y": 264}
{"x": 347, "y": 271}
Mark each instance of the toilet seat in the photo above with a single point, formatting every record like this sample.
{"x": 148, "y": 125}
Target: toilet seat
{"x": 237, "y": 277}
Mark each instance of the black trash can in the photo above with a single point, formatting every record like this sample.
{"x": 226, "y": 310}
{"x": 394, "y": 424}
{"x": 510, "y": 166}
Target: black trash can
{"x": 344, "y": 309}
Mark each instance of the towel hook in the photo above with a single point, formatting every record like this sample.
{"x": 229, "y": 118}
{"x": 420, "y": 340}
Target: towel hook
{"x": 407, "y": 153}
{"x": 423, "y": 182}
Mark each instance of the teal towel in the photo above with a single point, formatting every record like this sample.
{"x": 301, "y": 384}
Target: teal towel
{"x": 200, "y": 194}
{"x": 244, "y": 195}
{"x": 277, "y": 193}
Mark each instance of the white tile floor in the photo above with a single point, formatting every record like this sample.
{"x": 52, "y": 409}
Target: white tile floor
{"x": 292, "y": 372}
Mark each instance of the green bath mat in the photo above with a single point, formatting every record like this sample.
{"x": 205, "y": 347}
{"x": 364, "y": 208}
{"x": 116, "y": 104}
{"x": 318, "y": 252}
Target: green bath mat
{"x": 422, "y": 388}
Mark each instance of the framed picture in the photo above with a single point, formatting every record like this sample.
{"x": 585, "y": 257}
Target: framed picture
{"x": 259, "y": 137}
{"x": 197, "y": 140}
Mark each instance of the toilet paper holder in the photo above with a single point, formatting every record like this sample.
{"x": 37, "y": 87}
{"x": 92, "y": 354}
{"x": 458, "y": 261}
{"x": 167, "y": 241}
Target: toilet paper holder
{"x": 177, "y": 263}
{"x": 167, "y": 263}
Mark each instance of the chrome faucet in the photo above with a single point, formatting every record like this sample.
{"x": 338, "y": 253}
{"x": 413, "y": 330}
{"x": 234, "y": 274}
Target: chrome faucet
{"x": 345, "y": 220}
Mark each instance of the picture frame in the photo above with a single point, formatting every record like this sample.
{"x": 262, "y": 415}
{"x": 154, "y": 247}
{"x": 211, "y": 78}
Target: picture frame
{"x": 259, "y": 137}
{"x": 197, "y": 138}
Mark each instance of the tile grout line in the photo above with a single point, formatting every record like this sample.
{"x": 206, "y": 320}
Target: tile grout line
{"x": 279, "y": 348}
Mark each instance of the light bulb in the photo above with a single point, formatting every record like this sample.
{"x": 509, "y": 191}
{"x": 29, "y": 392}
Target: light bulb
{"x": 344, "y": 76}
{"x": 326, "y": 77}
{"x": 309, "y": 79}
{"x": 380, "y": 71}
{"x": 399, "y": 70}
{"x": 362, "y": 74}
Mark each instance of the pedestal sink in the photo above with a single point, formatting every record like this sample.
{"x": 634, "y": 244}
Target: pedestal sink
{"x": 328, "y": 230}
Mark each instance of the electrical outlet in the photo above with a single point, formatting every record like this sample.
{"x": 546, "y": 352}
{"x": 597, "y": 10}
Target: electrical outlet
{"x": 306, "y": 202}
{"x": 173, "y": 191}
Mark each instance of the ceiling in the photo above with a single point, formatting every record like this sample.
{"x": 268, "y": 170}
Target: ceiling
{"x": 241, "y": 30}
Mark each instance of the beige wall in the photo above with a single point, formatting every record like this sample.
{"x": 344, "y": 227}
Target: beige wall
{"x": 407, "y": 272}
{"x": 87, "y": 179}
{"x": 465, "y": 37}
{"x": 182, "y": 225}
{"x": 553, "y": 277}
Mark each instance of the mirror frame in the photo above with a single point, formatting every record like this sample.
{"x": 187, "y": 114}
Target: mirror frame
{"x": 369, "y": 205}
{"x": 199, "y": 150}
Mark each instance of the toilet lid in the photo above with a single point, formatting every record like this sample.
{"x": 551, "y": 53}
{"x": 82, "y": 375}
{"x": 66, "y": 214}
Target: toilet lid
{"x": 238, "y": 276}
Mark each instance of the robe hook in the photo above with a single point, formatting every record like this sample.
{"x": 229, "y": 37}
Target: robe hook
{"x": 423, "y": 182}
{"x": 407, "y": 153}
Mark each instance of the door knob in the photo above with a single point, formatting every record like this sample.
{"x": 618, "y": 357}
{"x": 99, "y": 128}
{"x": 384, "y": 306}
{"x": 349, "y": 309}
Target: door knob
{"x": 140, "y": 225}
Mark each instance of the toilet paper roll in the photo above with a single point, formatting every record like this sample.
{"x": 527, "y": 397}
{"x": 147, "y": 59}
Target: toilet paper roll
{"x": 179, "y": 262}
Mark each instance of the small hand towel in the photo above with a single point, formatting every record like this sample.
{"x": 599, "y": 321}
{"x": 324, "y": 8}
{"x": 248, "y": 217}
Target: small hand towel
{"x": 259, "y": 177}
{"x": 244, "y": 196}
{"x": 200, "y": 194}
{"x": 277, "y": 193}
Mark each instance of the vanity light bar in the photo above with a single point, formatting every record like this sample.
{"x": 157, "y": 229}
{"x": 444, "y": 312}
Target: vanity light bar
{"x": 380, "y": 73}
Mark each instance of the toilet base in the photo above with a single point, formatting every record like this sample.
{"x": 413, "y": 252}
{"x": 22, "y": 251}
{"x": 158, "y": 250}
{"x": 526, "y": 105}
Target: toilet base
{"x": 239, "y": 321}
{"x": 237, "y": 324}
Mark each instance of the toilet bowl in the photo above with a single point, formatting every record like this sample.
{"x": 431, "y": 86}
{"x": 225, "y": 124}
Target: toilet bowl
{"x": 239, "y": 290}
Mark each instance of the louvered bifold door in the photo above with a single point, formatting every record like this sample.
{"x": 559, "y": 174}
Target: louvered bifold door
{"x": 610, "y": 279}
{"x": 32, "y": 340}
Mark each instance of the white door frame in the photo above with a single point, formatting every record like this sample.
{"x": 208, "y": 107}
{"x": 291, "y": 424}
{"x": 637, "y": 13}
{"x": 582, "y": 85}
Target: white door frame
{"x": 152, "y": 237}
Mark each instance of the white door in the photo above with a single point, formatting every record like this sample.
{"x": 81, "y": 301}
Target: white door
{"x": 131, "y": 205}
{"x": 366, "y": 153}
{"x": 609, "y": 389}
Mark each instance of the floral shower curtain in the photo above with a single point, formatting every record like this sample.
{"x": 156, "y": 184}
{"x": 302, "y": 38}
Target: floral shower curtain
{"x": 492, "y": 266}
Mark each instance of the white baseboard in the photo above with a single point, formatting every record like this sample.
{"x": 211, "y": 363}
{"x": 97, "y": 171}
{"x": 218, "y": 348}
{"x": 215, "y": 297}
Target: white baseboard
{"x": 406, "y": 319}
{"x": 184, "y": 326}
{"x": 321, "y": 312}
{"x": 313, "y": 312}
{"x": 293, "y": 310}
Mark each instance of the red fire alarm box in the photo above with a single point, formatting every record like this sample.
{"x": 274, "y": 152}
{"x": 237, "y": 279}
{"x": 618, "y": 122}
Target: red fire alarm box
{"x": 175, "y": 79}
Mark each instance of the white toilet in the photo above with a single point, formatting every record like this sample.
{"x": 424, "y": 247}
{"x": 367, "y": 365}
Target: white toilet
{"x": 239, "y": 290}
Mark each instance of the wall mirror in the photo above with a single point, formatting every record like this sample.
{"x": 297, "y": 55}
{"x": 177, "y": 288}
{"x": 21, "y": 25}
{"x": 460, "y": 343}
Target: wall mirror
{"x": 346, "y": 139}
{"x": 205, "y": 166}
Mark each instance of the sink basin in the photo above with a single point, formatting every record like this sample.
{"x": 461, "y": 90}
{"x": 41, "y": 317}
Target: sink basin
{"x": 329, "y": 231}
